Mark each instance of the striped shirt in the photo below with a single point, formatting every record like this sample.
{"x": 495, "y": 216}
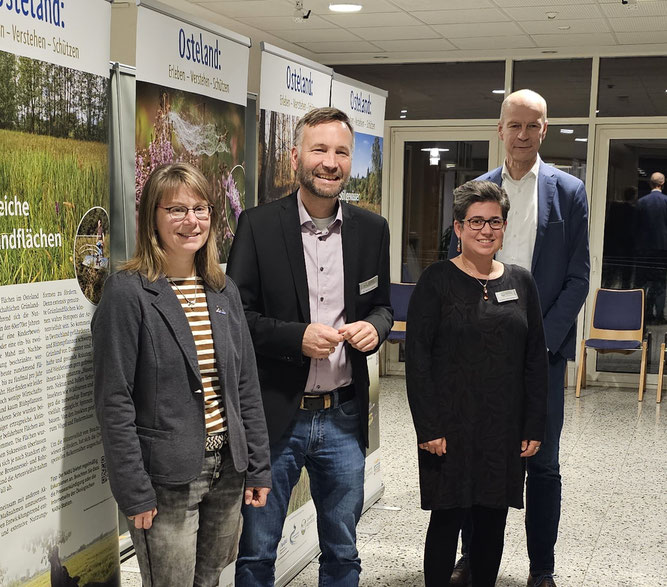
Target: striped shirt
{"x": 190, "y": 292}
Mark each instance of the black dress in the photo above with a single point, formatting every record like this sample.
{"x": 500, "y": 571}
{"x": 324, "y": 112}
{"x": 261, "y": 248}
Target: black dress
{"x": 476, "y": 374}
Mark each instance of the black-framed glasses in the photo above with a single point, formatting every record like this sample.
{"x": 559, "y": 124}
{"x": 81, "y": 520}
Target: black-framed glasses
{"x": 477, "y": 222}
{"x": 180, "y": 212}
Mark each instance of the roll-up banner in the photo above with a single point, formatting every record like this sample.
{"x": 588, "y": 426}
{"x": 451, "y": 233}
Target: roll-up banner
{"x": 365, "y": 106}
{"x": 192, "y": 80}
{"x": 58, "y": 523}
{"x": 290, "y": 86}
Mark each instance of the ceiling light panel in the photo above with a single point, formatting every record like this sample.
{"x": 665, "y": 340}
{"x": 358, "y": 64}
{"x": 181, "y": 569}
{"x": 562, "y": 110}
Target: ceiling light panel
{"x": 345, "y": 8}
{"x": 322, "y": 6}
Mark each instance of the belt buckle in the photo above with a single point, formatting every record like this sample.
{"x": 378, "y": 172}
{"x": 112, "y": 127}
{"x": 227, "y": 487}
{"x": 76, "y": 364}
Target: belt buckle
{"x": 327, "y": 400}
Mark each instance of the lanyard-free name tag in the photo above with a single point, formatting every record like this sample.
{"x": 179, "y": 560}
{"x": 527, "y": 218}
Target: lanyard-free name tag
{"x": 368, "y": 285}
{"x": 506, "y": 296}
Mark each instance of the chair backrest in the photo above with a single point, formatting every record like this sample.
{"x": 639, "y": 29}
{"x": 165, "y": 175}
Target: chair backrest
{"x": 618, "y": 314}
{"x": 400, "y": 298}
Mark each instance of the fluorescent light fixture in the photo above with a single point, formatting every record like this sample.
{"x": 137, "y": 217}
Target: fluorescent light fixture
{"x": 345, "y": 7}
{"x": 581, "y": 139}
{"x": 402, "y": 116}
{"x": 567, "y": 131}
{"x": 450, "y": 165}
{"x": 497, "y": 91}
{"x": 434, "y": 154}
{"x": 404, "y": 111}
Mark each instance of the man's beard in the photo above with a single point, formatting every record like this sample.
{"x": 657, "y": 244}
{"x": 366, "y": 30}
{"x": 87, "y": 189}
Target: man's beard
{"x": 307, "y": 180}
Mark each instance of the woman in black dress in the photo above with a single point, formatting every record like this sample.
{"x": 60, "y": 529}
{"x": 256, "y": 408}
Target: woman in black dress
{"x": 476, "y": 366}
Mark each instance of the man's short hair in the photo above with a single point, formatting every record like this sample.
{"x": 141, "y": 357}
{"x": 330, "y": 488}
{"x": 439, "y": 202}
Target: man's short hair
{"x": 657, "y": 180}
{"x": 321, "y": 116}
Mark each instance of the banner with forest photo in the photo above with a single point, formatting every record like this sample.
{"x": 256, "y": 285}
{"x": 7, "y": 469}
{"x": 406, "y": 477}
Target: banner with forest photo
{"x": 58, "y": 521}
{"x": 290, "y": 86}
{"x": 191, "y": 97}
{"x": 365, "y": 106}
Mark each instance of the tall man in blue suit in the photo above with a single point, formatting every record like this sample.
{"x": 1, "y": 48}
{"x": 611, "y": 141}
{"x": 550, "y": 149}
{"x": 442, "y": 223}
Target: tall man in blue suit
{"x": 547, "y": 233}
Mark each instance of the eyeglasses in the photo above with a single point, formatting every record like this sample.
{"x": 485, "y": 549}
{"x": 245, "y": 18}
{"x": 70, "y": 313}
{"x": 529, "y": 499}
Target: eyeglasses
{"x": 477, "y": 222}
{"x": 180, "y": 212}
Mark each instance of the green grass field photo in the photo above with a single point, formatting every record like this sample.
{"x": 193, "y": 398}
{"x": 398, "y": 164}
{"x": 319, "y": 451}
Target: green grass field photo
{"x": 54, "y": 157}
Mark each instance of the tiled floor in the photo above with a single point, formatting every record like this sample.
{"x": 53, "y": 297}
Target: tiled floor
{"x": 614, "y": 518}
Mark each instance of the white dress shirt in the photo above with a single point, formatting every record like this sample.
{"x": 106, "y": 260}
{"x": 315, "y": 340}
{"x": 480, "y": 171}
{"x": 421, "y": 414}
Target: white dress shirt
{"x": 519, "y": 241}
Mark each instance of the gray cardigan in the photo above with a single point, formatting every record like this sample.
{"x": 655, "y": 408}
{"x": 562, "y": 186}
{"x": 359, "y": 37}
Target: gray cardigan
{"x": 148, "y": 390}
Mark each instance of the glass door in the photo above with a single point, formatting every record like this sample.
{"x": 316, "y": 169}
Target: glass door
{"x": 427, "y": 164}
{"x": 629, "y": 239}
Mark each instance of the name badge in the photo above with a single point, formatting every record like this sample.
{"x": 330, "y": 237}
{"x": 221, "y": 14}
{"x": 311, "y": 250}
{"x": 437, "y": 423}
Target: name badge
{"x": 506, "y": 296}
{"x": 368, "y": 285}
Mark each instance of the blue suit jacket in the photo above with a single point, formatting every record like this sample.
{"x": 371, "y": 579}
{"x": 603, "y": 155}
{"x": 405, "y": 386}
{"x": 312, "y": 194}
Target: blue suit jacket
{"x": 561, "y": 264}
{"x": 651, "y": 229}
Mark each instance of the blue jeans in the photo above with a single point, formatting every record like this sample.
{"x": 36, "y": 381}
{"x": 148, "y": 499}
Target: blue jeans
{"x": 543, "y": 483}
{"x": 195, "y": 533}
{"x": 329, "y": 444}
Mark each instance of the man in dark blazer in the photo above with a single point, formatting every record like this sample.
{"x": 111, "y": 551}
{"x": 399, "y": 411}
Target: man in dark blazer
{"x": 547, "y": 233}
{"x": 651, "y": 242}
{"x": 313, "y": 273}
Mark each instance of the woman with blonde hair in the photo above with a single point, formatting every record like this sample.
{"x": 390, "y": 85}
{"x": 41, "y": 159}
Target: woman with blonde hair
{"x": 176, "y": 389}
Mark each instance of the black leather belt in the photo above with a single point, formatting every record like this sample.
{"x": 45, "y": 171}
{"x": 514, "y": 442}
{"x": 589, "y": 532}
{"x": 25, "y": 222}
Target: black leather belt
{"x": 328, "y": 399}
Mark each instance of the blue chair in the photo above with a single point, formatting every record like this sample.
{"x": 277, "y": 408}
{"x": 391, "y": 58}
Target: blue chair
{"x": 400, "y": 298}
{"x": 617, "y": 327}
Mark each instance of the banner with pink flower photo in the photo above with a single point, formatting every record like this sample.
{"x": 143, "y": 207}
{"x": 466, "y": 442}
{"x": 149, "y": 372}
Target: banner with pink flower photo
{"x": 190, "y": 105}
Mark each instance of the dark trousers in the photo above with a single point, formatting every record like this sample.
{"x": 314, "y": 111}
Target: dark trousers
{"x": 543, "y": 482}
{"x": 485, "y": 549}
